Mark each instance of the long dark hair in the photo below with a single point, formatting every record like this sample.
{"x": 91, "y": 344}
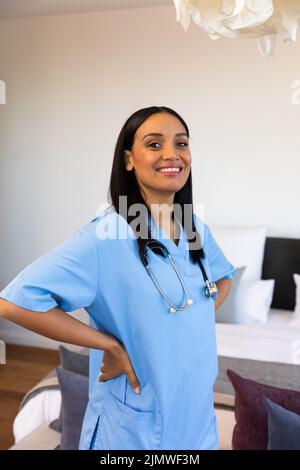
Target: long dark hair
{"x": 124, "y": 183}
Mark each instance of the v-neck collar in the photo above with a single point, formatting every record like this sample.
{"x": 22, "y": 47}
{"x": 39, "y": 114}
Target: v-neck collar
{"x": 159, "y": 234}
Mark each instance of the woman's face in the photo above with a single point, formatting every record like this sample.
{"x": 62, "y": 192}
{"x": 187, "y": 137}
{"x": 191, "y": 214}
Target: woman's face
{"x": 162, "y": 162}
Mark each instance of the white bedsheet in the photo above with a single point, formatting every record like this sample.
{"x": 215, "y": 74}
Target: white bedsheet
{"x": 275, "y": 341}
{"x": 42, "y": 407}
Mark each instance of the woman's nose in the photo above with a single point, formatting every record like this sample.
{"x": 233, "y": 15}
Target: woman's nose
{"x": 170, "y": 151}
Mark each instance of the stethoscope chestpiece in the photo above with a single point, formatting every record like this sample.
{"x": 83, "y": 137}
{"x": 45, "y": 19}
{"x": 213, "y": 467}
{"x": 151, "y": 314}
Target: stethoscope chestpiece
{"x": 211, "y": 289}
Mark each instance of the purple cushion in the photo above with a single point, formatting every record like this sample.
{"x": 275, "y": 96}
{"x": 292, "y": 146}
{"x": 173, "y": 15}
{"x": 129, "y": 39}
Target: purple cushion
{"x": 251, "y": 429}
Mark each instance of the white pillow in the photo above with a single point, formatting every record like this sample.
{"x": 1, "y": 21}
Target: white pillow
{"x": 243, "y": 246}
{"x": 296, "y": 316}
{"x": 253, "y": 300}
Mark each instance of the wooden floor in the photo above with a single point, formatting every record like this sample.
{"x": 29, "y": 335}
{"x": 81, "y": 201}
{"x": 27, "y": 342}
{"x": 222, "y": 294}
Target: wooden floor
{"x": 24, "y": 367}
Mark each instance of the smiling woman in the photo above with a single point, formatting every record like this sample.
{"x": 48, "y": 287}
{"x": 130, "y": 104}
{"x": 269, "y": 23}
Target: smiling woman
{"x": 169, "y": 353}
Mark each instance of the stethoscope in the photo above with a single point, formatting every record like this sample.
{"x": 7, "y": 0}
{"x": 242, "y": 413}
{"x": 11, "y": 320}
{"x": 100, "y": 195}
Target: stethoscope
{"x": 210, "y": 289}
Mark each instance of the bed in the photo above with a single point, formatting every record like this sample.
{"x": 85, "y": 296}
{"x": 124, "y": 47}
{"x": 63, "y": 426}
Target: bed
{"x": 265, "y": 352}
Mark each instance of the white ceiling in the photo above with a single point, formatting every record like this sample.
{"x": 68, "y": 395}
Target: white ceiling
{"x": 14, "y": 8}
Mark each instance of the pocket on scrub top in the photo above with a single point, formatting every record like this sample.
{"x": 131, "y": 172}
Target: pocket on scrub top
{"x": 116, "y": 425}
{"x": 126, "y": 428}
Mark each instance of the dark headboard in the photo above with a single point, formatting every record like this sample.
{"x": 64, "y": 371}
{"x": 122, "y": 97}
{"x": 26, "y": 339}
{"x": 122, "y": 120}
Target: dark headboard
{"x": 281, "y": 260}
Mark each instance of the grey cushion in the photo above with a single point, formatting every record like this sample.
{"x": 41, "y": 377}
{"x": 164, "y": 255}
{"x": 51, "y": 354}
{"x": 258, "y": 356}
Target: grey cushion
{"x": 73, "y": 361}
{"x": 56, "y": 423}
{"x": 74, "y": 393}
{"x": 227, "y": 312}
{"x": 283, "y": 427}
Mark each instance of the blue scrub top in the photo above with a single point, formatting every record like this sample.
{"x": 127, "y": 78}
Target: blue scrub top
{"x": 173, "y": 355}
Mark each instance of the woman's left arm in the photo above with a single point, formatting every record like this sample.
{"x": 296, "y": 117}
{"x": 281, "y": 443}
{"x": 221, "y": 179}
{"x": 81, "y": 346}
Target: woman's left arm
{"x": 224, "y": 286}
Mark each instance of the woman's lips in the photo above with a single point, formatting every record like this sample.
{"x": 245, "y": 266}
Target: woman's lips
{"x": 169, "y": 171}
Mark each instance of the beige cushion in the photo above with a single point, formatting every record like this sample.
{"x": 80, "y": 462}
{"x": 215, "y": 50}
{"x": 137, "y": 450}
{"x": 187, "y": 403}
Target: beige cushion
{"x": 41, "y": 438}
{"x": 225, "y": 419}
{"x": 226, "y": 422}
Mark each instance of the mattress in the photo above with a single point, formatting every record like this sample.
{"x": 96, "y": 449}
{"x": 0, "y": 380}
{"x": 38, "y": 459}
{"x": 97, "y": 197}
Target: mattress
{"x": 268, "y": 352}
{"x": 277, "y": 340}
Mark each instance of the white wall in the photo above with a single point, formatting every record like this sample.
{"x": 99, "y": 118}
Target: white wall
{"x": 72, "y": 81}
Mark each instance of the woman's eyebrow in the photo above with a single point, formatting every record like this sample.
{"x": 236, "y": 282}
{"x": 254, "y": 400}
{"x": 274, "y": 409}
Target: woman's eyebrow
{"x": 158, "y": 134}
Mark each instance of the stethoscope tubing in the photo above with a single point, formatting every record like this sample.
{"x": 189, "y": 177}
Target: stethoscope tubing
{"x": 187, "y": 300}
{"x": 210, "y": 289}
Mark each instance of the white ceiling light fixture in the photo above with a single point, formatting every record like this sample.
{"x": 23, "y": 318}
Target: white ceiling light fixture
{"x": 260, "y": 19}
